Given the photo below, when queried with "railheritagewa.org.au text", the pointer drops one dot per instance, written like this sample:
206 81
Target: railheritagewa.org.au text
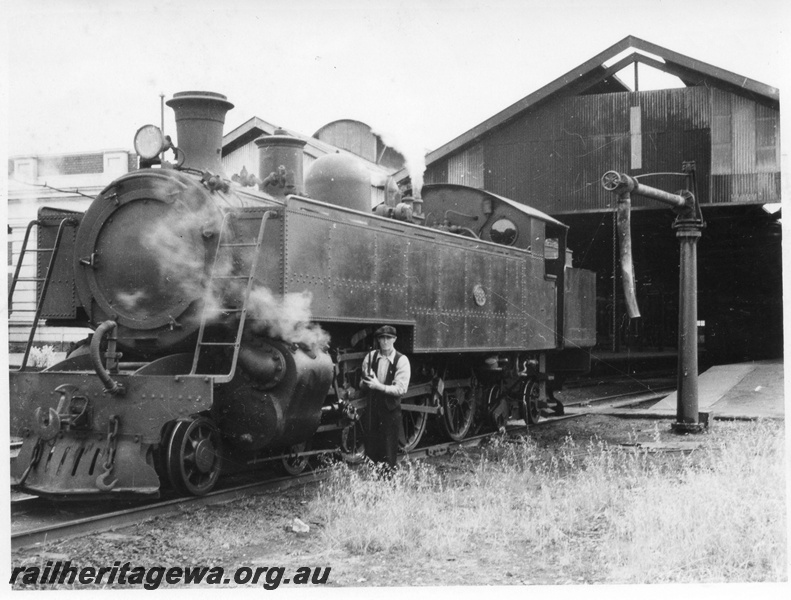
151 578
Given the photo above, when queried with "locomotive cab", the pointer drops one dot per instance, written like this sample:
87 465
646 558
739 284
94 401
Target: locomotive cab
483 215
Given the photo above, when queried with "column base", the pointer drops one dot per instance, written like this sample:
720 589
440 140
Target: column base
704 421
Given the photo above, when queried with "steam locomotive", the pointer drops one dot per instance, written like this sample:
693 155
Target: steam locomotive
231 318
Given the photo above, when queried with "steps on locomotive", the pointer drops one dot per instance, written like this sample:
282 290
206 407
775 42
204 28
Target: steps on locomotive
232 304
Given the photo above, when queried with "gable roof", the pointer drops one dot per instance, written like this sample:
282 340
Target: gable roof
254 128
593 76
245 133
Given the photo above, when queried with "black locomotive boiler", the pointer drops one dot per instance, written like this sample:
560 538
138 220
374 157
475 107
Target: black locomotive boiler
230 320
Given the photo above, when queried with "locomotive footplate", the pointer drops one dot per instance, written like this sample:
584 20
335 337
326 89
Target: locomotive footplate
79 440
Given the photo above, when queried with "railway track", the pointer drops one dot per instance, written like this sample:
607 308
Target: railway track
35 521
28 512
622 399
102 518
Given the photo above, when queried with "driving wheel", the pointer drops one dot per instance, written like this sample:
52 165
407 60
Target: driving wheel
193 457
496 407
414 424
353 443
294 464
528 402
458 405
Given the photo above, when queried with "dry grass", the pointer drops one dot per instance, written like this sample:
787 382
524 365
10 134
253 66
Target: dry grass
591 512
42 357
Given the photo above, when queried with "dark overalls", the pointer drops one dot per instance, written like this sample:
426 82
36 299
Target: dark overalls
382 423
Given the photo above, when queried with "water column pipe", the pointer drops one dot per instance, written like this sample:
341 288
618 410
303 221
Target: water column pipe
688 226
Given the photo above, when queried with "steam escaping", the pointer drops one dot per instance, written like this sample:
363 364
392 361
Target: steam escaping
169 241
175 242
414 153
287 318
183 269
130 300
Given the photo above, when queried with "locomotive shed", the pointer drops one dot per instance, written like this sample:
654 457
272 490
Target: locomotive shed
550 148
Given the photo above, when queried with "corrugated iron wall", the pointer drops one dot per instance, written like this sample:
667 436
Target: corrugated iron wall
353 136
437 173
243 157
553 156
745 163
466 167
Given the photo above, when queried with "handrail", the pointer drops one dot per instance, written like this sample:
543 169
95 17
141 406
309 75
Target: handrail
243 311
22 252
45 284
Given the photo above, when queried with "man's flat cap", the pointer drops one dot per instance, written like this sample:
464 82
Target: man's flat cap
386 330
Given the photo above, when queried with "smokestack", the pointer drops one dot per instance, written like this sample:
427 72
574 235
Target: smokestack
280 163
200 117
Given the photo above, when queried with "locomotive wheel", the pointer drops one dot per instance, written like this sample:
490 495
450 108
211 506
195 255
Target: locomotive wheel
458 406
528 402
493 399
161 456
295 464
353 443
193 456
414 425
480 420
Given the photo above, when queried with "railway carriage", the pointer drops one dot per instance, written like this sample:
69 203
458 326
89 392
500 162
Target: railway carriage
204 352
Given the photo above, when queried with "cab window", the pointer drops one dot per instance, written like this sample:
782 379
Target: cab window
504 232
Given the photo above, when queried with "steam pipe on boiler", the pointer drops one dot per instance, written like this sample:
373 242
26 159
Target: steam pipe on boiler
110 384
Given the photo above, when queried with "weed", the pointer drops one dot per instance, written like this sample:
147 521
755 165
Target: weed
625 515
42 357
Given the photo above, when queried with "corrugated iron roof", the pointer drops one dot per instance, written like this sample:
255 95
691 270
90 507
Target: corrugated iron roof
593 72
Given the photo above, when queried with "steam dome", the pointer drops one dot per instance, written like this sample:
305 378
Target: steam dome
339 179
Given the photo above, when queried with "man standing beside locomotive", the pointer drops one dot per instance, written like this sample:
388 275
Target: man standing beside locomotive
386 375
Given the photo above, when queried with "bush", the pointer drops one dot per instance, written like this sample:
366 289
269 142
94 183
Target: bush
42 357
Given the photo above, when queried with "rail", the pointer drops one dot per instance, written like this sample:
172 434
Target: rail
105 521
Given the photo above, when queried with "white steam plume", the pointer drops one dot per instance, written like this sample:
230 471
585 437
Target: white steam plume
414 153
287 318
181 264
181 268
130 300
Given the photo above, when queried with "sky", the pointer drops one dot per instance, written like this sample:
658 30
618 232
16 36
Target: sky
84 75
